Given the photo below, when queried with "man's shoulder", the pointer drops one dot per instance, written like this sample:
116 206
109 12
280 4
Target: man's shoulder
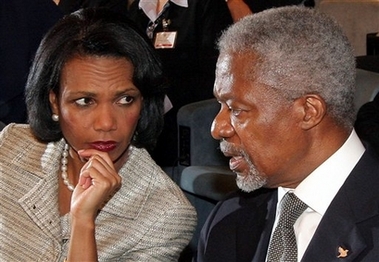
240 201
241 217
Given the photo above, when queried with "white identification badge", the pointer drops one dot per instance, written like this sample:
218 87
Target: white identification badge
165 40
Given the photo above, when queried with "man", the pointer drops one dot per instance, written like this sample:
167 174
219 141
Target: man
285 80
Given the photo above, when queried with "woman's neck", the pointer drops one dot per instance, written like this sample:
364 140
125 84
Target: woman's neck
160 5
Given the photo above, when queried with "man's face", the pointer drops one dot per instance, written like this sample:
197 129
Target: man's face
258 129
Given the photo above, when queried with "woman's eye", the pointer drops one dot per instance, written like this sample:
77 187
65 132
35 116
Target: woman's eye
126 100
83 101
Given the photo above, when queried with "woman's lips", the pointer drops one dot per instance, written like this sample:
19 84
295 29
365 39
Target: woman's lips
104 146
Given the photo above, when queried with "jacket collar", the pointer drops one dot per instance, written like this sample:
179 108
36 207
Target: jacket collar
138 177
349 212
41 201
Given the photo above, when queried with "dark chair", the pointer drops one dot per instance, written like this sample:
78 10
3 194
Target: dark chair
204 173
2 125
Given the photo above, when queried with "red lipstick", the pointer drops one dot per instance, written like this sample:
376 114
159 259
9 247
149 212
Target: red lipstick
104 146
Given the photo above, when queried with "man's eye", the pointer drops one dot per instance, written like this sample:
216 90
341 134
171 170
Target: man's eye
126 100
83 101
236 112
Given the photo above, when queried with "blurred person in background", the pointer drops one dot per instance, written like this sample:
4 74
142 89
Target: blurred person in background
184 34
23 24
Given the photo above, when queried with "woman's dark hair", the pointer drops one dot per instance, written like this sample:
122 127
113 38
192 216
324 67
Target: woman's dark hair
95 32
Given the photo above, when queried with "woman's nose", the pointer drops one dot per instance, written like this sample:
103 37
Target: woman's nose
105 119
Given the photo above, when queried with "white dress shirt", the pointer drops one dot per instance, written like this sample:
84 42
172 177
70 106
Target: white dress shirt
149 7
319 189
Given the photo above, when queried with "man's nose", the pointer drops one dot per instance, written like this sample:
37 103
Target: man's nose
221 126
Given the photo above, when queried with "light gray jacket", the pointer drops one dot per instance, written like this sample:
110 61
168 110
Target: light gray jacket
148 219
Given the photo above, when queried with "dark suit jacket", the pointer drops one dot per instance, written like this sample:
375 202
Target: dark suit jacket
239 228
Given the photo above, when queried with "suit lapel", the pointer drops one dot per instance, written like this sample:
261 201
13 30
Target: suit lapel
255 224
346 223
238 225
261 250
335 231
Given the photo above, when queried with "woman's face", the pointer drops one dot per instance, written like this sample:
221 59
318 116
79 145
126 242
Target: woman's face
98 104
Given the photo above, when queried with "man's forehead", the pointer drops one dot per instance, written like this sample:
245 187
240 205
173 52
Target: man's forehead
224 63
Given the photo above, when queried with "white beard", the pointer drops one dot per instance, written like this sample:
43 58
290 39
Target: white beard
252 180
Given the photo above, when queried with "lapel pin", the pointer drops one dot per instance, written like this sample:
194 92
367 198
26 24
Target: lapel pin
343 252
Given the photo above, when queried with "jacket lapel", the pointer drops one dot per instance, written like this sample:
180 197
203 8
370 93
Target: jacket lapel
345 230
260 254
136 186
336 237
255 224
237 226
41 201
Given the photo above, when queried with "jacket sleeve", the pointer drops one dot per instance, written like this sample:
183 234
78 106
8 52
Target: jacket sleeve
167 237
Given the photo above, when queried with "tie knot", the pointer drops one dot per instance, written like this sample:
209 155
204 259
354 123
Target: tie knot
291 208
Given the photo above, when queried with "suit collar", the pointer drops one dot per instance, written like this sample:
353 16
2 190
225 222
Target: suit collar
236 226
256 219
348 214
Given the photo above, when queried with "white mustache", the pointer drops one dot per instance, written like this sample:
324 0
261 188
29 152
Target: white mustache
228 148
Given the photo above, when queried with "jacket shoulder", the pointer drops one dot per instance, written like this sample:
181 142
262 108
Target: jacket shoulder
17 139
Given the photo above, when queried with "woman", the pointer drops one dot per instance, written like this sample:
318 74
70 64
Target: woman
184 33
78 183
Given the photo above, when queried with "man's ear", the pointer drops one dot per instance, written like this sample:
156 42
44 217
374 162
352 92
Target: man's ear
313 110
54 102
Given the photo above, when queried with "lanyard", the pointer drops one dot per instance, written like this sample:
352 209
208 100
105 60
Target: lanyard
162 18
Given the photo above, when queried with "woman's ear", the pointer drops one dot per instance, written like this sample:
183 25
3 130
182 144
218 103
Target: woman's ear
313 109
54 102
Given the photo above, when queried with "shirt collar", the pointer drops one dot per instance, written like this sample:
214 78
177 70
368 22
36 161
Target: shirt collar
149 7
319 188
182 3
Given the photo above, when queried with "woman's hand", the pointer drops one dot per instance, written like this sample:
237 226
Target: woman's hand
98 182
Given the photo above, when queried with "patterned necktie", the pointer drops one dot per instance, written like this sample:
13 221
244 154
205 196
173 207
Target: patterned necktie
283 243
